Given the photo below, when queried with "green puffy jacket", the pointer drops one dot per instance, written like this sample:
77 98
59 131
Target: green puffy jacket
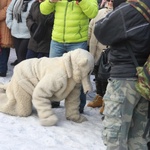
71 19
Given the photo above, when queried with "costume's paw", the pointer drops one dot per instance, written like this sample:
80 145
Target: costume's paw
82 119
77 118
50 121
2 88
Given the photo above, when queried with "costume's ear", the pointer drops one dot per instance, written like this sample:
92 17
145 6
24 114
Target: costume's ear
83 62
68 64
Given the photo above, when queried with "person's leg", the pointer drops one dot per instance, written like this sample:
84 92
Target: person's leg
42 55
31 54
83 101
16 46
56 49
139 120
73 46
22 51
70 47
4 55
120 100
97 101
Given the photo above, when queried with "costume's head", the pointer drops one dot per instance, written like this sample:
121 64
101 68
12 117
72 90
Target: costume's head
79 64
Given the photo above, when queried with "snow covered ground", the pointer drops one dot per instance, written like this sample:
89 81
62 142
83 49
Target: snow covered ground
26 133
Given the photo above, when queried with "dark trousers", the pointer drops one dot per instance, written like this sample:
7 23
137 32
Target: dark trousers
32 54
4 56
101 86
82 99
20 48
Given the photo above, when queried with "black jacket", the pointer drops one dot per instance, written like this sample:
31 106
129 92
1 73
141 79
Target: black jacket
125 26
34 18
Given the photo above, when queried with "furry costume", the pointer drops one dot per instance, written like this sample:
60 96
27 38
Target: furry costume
40 81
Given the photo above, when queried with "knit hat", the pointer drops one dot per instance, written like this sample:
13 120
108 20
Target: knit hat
116 3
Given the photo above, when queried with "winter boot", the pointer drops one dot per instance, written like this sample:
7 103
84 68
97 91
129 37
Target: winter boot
97 102
102 108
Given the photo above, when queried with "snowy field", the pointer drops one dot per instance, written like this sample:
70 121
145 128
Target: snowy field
26 133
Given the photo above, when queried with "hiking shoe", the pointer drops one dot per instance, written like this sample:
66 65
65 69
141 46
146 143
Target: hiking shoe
97 102
102 108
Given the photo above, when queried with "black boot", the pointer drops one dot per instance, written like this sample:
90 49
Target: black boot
2 74
14 63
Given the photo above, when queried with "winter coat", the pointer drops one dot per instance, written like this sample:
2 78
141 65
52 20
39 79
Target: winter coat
18 30
41 81
34 19
125 26
71 19
95 47
6 38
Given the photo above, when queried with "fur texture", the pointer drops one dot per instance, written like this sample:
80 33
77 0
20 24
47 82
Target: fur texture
41 81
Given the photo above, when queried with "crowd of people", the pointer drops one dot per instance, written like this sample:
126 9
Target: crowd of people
92 26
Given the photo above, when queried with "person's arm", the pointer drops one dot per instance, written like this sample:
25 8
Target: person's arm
9 14
90 30
3 11
72 103
110 29
41 99
31 24
92 43
89 7
47 6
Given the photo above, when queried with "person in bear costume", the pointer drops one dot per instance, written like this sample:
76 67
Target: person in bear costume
41 81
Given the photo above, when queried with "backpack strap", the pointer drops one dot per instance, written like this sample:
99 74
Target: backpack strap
141 7
132 56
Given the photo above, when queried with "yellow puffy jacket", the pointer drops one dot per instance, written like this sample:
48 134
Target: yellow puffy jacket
71 19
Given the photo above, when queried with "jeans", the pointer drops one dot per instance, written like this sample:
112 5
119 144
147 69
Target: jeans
32 54
58 49
4 55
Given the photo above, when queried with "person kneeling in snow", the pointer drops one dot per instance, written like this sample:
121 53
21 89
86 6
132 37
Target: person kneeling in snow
41 81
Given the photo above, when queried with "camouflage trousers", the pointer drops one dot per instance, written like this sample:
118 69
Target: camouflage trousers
125 116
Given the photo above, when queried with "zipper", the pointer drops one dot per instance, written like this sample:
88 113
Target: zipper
65 22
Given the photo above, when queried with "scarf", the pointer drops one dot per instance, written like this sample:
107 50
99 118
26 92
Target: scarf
20 6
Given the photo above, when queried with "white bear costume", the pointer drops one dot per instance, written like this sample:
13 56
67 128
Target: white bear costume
40 81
